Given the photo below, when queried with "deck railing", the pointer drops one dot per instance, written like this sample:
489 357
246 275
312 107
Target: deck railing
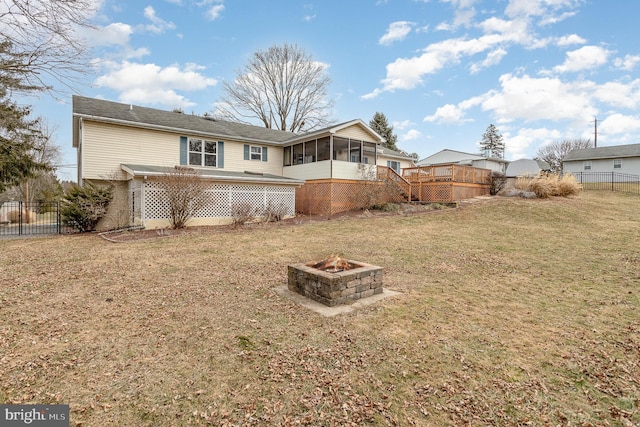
386 173
456 173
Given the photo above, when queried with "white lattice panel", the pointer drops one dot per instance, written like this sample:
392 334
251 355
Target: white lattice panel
220 198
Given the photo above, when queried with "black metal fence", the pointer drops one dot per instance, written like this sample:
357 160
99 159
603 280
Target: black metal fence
609 181
25 219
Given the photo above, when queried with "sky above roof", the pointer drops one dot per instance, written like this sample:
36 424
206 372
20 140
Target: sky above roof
441 71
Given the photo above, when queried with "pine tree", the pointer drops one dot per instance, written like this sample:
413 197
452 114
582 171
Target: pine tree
380 124
492 144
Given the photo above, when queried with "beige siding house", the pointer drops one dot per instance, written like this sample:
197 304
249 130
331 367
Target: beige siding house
132 147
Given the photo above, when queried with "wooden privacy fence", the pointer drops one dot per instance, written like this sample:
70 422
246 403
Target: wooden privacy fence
439 184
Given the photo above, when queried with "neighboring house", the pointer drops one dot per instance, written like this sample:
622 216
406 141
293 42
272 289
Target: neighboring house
447 157
394 159
132 146
526 167
624 159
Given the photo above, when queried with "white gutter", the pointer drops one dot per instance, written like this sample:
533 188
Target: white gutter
243 179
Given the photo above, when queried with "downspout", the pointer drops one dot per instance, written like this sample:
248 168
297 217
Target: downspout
80 154
331 156
331 175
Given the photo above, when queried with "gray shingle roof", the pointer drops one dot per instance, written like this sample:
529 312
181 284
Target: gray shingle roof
99 109
629 150
393 153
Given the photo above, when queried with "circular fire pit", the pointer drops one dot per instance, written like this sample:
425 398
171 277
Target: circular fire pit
335 281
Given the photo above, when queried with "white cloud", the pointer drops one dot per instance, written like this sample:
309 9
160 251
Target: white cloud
158 25
627 63
587 57
214 12
517 145
493 58
397 31
447 114
530 99
402 124
411 135
619 124
548 9
150 83
570 40
406 73
618 94
463 16
116 33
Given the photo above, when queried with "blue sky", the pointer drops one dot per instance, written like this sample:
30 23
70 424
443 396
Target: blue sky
440 70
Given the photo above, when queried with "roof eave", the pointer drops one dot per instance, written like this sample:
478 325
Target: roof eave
244 179
174 129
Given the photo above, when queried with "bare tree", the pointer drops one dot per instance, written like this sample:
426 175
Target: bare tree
283 88
186 194
44 40
554 153
43 185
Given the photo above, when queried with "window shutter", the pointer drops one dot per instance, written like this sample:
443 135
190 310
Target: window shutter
220 154
264 154
246 152
183 150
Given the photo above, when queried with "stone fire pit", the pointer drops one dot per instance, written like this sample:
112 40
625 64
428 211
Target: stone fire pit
335 281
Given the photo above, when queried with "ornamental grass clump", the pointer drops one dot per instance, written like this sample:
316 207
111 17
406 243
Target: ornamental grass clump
547 185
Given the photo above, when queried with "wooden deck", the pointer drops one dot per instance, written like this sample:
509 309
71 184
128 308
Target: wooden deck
425 184
441 184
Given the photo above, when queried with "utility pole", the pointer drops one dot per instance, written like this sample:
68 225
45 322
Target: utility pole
595 132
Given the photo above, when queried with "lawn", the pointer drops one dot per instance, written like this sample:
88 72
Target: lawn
510 312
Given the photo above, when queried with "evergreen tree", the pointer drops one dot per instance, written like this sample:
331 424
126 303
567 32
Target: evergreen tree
18 143
380 124
492 144
20 136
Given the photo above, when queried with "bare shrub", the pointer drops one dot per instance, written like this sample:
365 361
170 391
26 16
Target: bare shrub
497 181
185 191
241 213
274 212
375 192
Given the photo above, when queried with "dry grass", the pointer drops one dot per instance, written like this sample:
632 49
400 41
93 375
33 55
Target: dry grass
512 312
547 185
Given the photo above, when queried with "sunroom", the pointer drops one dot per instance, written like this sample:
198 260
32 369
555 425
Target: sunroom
346 151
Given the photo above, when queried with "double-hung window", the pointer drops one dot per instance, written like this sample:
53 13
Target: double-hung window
202 152
256 153
587 165
617 163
